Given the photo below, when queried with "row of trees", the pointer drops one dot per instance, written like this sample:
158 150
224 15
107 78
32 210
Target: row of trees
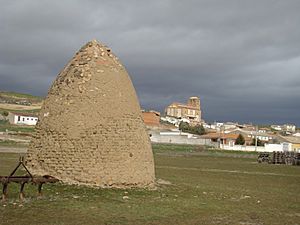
185 127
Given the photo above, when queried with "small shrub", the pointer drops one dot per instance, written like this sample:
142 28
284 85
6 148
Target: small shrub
259 142
4 113
240 140
185 127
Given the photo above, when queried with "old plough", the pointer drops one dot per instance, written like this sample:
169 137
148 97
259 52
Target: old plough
22 180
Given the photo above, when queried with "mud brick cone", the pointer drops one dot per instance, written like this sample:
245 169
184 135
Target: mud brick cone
90 130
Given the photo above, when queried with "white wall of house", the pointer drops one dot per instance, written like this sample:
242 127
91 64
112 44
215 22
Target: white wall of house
279 147
22 119
178 139
276 127
296 134
290 127
267 148
245 148
260 136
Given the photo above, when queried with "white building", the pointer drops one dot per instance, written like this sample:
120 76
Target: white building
289 128
285 127
191 110
276 127
22 119
265 137
175 121
296 134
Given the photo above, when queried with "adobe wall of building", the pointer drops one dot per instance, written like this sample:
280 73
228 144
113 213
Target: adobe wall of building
11 118
150 119
90 130
181 110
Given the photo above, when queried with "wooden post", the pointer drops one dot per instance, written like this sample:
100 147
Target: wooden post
22 195
40 189
4 191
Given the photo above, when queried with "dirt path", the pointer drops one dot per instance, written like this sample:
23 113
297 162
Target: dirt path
226 171
5 149
15 138
19 107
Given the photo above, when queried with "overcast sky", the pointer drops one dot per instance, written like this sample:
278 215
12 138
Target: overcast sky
241 57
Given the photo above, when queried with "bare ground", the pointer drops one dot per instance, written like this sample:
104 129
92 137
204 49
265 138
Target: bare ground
19 107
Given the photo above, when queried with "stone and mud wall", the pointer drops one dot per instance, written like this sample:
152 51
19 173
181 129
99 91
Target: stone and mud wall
90 129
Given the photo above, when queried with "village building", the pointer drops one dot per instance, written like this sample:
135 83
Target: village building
22 119
289 128
262 136
151 118
285 127
224 139
190 111
276 127
293 141
264 130
296 134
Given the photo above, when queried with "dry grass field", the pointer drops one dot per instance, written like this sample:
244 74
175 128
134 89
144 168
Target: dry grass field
19 102
15 107
207 187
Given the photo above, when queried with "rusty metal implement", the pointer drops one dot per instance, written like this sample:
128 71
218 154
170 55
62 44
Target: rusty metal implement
22 180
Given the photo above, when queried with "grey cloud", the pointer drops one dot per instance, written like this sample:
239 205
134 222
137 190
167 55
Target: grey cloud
241 57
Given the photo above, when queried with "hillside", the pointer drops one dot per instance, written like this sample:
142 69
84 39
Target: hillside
19 98
12 101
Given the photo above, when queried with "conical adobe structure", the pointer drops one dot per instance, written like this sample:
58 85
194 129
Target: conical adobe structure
90 129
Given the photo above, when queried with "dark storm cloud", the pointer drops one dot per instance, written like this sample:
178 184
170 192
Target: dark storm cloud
241 57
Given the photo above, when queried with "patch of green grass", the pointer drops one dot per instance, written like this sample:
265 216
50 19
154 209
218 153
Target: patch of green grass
199 150
174 147
4 122
10 143
6 126
205 189
18 129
